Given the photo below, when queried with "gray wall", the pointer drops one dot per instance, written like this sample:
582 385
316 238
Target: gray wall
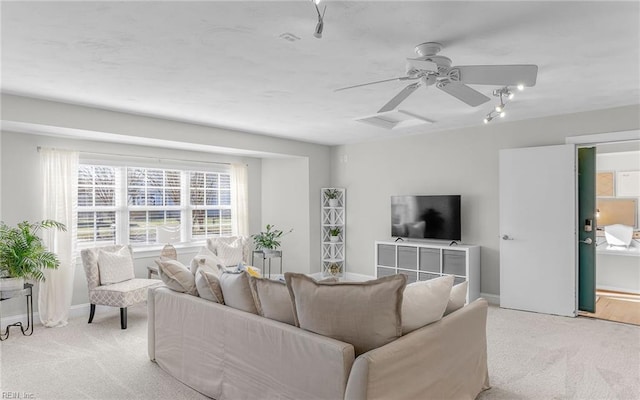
287 191
462 161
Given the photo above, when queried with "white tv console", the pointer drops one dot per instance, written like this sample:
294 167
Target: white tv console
421 261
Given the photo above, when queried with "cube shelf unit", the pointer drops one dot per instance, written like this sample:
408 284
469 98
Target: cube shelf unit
333 216
423 261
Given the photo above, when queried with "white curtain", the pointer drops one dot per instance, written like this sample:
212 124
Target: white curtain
239 200
60 199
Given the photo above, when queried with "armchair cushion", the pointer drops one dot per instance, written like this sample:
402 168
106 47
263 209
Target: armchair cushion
115 266
230 254
424 302
122 294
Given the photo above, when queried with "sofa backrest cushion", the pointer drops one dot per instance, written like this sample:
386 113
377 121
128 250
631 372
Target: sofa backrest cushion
272 299
364 314
424 302
237 291
206 260
457 298
176 276
208 286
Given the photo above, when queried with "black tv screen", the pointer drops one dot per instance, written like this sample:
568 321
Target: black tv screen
426 217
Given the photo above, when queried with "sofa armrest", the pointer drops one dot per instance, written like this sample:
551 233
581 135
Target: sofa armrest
443 360
151 318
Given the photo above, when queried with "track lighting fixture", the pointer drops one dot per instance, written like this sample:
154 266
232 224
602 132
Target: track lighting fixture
320 25
498 111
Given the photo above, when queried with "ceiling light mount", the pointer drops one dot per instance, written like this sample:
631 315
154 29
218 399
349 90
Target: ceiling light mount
320 25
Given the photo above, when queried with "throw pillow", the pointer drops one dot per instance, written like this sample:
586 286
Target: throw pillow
115 266
457 298
272 299
208 286
176 276
230 254
206 260
424 302
237 291
365 314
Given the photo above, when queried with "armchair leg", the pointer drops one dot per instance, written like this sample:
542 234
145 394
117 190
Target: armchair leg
123 317
92 312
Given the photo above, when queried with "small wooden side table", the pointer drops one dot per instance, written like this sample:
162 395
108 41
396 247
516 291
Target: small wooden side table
27 291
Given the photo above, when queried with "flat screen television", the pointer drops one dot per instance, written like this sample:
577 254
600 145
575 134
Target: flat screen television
426 217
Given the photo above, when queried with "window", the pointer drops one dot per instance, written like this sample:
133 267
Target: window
125 205
210 198
153 199
96 204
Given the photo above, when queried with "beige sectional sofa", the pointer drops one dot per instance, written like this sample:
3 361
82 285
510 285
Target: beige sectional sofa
226 354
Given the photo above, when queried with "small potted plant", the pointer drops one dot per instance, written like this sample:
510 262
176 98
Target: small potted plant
23 255
269 241
332 195
334 234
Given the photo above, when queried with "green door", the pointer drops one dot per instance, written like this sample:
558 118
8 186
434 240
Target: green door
587 229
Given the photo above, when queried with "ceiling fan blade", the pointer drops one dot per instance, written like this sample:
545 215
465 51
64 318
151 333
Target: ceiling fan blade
416 63
401 78
495 74
463 92
400 97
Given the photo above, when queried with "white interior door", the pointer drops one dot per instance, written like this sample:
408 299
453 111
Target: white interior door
538 241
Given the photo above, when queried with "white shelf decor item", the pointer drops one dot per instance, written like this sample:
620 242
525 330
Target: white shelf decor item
332 219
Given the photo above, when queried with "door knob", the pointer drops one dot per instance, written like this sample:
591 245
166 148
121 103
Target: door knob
506 237
587 241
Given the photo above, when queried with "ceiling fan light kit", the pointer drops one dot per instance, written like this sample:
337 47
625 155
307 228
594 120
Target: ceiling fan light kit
430 69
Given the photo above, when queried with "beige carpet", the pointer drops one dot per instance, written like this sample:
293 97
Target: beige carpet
531 356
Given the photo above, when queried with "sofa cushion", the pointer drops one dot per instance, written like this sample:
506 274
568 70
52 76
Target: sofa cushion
115 266
272 299
237 291
208 286
457 298
364 314
230 253
206 260
424 302
176 276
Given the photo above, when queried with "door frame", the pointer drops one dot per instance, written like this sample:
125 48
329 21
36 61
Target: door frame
592 141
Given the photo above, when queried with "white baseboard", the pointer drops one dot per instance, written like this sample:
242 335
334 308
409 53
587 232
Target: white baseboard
617 289
493 299
78 310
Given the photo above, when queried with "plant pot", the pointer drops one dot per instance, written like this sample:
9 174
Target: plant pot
334 238
268 253
8 284
333 203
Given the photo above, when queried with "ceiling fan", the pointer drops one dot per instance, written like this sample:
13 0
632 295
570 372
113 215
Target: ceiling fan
430 69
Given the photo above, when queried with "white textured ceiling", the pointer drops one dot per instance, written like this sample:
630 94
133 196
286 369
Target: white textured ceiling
224 63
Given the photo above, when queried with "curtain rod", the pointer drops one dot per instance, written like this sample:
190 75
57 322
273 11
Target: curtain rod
130 156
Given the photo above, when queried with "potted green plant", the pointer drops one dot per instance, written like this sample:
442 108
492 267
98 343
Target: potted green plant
23 255
334 234
269 241
332 195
